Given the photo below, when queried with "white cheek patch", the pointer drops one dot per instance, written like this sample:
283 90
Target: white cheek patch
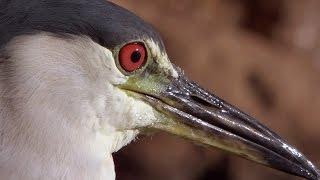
124 112
142 112
162 59
122 117
110 64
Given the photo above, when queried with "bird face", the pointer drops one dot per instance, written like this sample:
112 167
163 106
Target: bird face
135 67
162 98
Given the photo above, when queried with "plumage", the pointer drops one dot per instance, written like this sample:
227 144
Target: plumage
67 104
57 128
104 22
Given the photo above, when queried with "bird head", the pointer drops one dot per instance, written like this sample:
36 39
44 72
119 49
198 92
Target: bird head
102 56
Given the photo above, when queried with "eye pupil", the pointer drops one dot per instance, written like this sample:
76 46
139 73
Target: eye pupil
135 56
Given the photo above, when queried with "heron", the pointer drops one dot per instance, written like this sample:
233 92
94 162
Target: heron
80 79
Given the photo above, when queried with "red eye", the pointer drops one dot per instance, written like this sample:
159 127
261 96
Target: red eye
132 56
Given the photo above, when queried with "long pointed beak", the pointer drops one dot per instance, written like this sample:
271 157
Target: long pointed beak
204 118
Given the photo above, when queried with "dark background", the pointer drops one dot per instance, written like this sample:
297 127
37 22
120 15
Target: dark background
261 55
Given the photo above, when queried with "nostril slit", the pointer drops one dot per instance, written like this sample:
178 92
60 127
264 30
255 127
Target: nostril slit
202 101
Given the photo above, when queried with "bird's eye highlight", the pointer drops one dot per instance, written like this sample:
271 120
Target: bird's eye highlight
132 56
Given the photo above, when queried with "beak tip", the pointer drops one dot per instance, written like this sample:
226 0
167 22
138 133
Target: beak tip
316 175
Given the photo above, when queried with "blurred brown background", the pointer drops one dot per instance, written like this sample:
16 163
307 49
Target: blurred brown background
261 55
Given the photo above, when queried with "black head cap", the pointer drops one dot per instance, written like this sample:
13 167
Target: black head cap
105 22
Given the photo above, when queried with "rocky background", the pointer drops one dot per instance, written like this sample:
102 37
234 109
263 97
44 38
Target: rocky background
261 55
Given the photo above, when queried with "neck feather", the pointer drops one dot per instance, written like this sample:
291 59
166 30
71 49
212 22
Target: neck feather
50 118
